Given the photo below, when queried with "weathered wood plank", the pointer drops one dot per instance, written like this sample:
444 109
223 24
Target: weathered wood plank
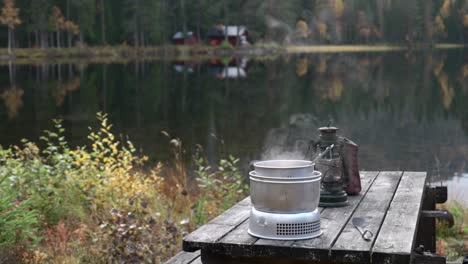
350 247
239 236
237 243
395 242
245 202
184 258
333 221
207 234
233 217
218 227
197 261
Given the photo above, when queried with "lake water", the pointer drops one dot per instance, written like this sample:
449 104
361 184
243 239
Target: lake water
407 111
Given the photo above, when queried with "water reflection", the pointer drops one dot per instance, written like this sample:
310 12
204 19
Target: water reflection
229 69
13 98
407 111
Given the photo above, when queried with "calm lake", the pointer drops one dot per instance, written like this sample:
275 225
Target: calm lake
407 111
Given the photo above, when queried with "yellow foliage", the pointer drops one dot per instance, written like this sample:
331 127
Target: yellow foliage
65 88
10 14
465 71
448 93
339 8
61 23
302 67
57 18
439 26
446 8
322 65
323 30
332 89
13 101
439 65
106 173
336 90
447 98
72 27
302 29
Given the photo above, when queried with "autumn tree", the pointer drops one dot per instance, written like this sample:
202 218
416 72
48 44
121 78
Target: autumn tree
72 29
13 98
10 18
59 22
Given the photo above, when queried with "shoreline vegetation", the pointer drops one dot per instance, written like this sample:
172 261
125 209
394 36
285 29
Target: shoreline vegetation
104 202
452 242
123 53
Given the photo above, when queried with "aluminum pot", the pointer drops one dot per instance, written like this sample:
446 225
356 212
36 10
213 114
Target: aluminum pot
315 175
285 197
284 168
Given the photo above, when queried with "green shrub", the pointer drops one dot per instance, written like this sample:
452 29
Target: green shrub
220 187
452 241
226 45
18 222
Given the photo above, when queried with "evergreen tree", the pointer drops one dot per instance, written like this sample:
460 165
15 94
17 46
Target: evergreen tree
39 23
84 12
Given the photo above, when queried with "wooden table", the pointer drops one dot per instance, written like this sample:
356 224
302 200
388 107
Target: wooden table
390 202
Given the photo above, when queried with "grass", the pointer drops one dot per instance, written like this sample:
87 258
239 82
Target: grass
125 53
120 54
343 48
453 241
363 48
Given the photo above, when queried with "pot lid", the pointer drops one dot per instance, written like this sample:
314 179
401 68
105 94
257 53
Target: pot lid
328 130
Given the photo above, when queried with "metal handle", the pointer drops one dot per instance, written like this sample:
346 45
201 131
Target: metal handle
366 235
323 153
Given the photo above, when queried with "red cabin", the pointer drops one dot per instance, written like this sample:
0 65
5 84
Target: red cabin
236 35
189 39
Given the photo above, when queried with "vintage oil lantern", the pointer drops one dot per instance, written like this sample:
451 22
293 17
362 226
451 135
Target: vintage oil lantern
339 168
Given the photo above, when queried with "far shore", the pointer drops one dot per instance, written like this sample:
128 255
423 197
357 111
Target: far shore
124 53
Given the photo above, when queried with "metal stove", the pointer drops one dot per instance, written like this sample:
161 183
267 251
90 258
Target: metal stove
284 226
285 196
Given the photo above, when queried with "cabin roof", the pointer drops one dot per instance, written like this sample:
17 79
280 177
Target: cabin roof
180 35
235 30
230 31
215 32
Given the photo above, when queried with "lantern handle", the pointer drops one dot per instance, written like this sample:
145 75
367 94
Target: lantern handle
323 153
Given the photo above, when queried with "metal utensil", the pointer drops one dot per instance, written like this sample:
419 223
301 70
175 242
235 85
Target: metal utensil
360 224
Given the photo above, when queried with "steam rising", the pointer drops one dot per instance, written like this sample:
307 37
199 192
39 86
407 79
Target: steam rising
291 142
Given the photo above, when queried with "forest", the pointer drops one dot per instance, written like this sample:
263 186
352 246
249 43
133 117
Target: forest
65 23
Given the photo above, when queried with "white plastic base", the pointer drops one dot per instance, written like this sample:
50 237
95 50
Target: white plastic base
284 226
